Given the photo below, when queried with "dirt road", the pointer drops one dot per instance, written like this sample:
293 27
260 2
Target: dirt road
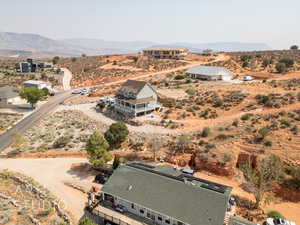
52 174
66 79
218 58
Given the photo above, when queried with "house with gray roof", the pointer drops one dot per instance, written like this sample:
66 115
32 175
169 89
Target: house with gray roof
8 96
210 73
164 195
136 98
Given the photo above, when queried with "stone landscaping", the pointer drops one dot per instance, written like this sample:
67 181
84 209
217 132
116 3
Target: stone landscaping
24 202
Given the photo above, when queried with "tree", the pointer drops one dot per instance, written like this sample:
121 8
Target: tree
261 179
266 62
154 146
96 148
55 60
32 95
86 221
116 134
287 61
46 91
116 162
83 55
294 47
281 67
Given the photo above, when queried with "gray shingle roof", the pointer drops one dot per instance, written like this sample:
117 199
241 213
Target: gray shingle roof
183 201
134 86
8 92
209 71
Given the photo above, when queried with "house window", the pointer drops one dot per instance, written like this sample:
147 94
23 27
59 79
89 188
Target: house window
132 206
159 218
142 211
148 215
167 221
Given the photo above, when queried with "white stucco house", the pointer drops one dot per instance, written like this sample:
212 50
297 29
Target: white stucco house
210 73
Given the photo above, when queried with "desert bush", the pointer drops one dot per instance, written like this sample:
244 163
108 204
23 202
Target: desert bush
222 137
281 67
61 142
235 123
190 91
179 77
275 214
268 143
205 132
246 116
86 221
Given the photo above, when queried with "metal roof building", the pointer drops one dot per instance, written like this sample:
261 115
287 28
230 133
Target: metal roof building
210 73
167 196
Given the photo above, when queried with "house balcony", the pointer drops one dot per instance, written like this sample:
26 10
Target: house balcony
107 212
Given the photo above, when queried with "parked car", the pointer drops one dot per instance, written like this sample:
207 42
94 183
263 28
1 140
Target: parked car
76 92
120 208
278 221
100 179
188 171
248 78
84 91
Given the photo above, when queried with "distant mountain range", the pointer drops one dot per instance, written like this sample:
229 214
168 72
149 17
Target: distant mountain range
24 44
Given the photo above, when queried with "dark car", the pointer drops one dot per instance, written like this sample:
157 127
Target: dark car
100 179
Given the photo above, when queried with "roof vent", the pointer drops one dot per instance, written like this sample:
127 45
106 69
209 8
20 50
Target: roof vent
129 188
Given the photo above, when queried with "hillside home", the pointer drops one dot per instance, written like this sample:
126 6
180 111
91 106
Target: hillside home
163 195
136 98
32 66
210 73
8 97
37 84
166 53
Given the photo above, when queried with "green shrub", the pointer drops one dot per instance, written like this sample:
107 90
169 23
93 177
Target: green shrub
190 91
205 132
268 143
86 221
179 77
275 214
61 142
246 116
235 123
281 67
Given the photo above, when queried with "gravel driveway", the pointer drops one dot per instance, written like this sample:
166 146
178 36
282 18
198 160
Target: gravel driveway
89 110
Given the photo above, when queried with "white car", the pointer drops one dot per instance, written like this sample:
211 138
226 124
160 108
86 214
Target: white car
76 92
248 78
279 221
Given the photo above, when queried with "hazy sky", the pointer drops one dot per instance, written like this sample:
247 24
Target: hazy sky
275 22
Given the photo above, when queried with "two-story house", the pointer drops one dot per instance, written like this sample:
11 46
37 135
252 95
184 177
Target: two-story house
163 195
136 98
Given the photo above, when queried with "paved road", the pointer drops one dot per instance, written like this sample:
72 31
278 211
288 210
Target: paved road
29 121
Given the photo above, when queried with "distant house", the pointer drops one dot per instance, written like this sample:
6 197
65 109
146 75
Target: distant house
166 53
32 66
163 195
37 84
8 96
136 98
210 73
208 52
